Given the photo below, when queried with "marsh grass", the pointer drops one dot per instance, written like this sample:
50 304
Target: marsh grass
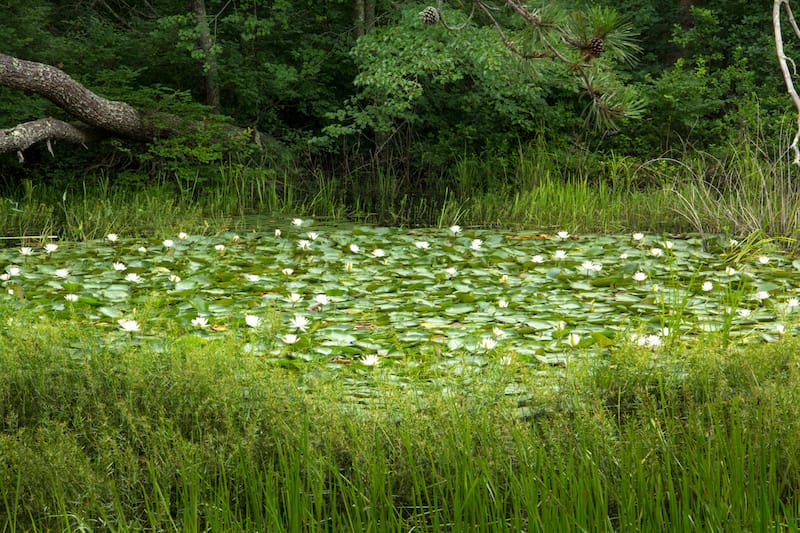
749 190
200 436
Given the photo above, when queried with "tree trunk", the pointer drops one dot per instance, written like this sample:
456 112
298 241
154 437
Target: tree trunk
209 71
102 115
359 17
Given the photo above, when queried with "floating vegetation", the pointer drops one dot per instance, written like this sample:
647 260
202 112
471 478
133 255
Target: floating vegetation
380 295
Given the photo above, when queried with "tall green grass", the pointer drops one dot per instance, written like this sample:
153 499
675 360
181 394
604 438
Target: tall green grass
199 436
750 189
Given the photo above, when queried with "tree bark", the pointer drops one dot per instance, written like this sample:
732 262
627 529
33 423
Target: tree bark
209 70
99 117
22 136
114 117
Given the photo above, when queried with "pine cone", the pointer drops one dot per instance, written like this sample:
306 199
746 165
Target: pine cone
430 15
594 48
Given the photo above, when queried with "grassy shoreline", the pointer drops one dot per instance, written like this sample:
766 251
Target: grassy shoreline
200 436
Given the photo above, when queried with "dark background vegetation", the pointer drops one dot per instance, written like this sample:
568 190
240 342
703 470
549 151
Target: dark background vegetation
329 104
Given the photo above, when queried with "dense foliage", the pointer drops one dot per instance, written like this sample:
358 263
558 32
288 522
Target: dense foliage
404 99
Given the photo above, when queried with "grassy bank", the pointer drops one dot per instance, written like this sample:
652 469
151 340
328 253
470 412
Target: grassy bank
198 436
749 190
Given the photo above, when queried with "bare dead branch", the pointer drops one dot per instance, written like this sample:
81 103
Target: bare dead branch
22 136
783 60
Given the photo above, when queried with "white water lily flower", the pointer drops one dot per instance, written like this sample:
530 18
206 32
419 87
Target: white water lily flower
591 267
653 341
295 297
623 256
297 222
119 266
573 339
348 266
762 295
730 271
304 244
4 277
488 343
112 237
50 247
26 250
656 287
299 322
455 229
142 250
640 276
370 360
733 243
235 238
128 325
133 277
174 278
287 271
502 303
183 235
377 252
562 234
497 332
792 303
537 259
71 297
14 270
780 329
60 273
278 232
707 286
290 338
422 245
168 243
638 236
312 235
669 245
451 271
561 325
560 254
219 247
252 320
322 299
656 252
200 322
354 248
476 244
763 259
743 312
252 277
504 279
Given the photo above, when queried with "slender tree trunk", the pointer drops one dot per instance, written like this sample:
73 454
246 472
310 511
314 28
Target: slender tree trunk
360 17
209 71
369 15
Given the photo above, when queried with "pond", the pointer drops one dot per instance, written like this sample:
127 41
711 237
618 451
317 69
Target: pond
376 295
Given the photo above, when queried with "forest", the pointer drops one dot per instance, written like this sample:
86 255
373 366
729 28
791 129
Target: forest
360 110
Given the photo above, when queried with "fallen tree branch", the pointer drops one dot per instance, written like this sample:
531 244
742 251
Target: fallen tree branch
55 85
22 136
